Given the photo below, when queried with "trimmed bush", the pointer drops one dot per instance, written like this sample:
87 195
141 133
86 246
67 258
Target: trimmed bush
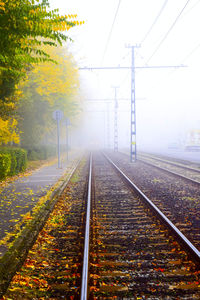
21 157
17 158
42 152
5 164
13 163
33 155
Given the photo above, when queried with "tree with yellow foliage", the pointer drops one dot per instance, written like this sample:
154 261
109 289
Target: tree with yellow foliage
48 87
25 27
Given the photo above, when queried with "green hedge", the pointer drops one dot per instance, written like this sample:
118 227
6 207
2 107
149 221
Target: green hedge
5 164
21 157
42 152
12 161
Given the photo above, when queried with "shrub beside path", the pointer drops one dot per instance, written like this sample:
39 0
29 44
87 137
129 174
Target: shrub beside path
20 196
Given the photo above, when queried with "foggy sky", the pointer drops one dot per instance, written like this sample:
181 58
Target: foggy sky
167 100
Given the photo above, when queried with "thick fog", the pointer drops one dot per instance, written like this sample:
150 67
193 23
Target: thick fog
167 96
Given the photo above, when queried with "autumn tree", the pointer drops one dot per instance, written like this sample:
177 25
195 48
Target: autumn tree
48 87
25 26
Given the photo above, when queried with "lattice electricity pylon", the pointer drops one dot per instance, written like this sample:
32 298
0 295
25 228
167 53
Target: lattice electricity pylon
133 152
116 122
133 149
108 126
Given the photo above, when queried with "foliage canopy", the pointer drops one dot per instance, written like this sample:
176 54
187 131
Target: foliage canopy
48 87
26 25
27 29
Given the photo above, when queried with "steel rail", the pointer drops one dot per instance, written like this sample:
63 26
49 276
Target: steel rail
181 237
171 172
170 163
84 284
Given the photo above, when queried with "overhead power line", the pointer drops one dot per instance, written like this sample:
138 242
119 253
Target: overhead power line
124 67
191 8
151 27
133 150
154 22
191 53
187 56
108 40
167 33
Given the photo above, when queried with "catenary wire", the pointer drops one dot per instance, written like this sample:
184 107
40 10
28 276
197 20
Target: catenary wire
169 30
190 54
109 36
154 22
191 8
186 58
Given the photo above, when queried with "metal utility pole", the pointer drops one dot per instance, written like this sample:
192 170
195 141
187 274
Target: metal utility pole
58 142
115 121
106 113
133 154
104 129
133 148
108 126
57 115
67 123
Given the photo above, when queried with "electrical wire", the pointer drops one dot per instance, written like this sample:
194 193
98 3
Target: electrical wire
183 60
154 22
109 36
186 57
169 30
190 54
191 8
150 29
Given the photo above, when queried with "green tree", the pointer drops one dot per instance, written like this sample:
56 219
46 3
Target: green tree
25 27
48 87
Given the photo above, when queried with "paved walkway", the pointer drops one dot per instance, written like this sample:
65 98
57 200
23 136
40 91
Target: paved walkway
20 196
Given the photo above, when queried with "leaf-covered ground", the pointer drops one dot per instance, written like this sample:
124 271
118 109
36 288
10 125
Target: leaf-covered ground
20 196
52 269
132 255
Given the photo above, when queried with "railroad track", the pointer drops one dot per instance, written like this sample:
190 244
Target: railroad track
132 253
52 269
131 250
173 161
186 172
177 196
